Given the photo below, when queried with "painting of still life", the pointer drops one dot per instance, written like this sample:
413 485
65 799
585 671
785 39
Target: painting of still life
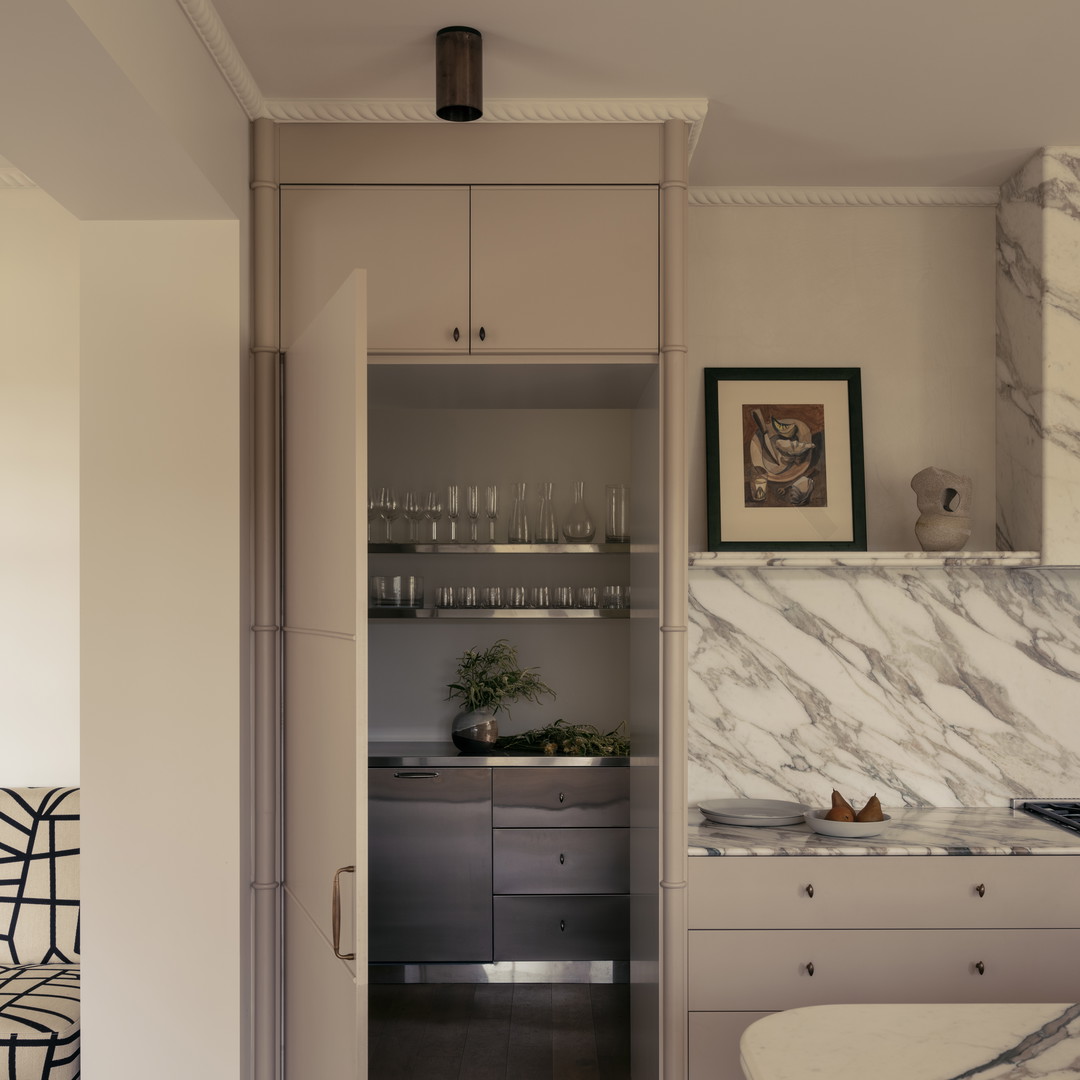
784 459
784 455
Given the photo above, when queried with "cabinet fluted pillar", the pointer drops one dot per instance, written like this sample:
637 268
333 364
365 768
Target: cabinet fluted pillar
266 604
673 621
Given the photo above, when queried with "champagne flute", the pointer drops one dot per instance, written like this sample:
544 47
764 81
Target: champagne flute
492 510
452 494
472 509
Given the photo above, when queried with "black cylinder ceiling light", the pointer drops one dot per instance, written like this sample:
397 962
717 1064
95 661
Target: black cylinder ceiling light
459 75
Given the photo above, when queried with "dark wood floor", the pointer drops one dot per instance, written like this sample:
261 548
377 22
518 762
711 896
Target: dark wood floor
485 1031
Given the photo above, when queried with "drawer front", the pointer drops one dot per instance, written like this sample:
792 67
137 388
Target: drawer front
714 1044
917 891
561 860
556 798
562 928
770 970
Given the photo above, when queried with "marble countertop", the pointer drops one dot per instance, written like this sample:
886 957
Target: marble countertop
980 830
445 755
915 1042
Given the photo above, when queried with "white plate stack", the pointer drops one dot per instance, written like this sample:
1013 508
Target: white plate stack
755 812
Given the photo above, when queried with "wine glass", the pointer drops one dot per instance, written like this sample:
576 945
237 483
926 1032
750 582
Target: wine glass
389 510
472 509
413 514
432 512
452 495
372 514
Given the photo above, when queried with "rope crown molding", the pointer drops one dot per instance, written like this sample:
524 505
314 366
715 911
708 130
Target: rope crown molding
504 111
853 196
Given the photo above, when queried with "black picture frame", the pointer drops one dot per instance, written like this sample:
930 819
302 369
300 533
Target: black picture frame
784 459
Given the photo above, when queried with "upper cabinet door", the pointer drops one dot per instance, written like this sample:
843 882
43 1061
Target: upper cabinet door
565 269
414 244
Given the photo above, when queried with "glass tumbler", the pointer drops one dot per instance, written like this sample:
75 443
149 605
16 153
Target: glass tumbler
617 513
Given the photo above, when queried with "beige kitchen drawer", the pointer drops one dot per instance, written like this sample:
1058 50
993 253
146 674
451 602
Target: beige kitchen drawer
770 970
914 891
714 1044
559 797
562 927
561 860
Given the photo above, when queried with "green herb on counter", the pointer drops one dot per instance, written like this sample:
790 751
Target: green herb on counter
570 740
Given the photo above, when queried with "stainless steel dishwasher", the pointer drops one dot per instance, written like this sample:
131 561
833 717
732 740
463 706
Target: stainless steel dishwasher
429 865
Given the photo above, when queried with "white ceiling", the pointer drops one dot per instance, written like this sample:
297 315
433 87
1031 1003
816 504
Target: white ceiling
835 93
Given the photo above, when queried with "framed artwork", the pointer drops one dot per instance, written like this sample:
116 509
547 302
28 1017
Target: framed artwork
784 459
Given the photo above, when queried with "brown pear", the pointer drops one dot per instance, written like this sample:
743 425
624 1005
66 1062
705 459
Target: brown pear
871 811
841 810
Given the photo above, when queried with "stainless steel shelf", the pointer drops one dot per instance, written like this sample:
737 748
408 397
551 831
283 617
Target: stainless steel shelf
498 549
459 614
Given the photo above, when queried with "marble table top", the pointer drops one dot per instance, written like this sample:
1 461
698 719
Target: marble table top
915 1042
966 830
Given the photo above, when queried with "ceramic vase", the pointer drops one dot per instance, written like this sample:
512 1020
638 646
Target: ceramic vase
944 501
475 731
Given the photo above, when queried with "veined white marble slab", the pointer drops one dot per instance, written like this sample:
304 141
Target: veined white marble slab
929 687
915 1042
965 830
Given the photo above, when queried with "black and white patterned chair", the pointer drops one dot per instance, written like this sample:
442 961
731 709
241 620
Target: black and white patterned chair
39 933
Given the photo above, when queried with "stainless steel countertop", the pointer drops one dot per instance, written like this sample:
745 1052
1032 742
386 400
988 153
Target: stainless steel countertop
445 755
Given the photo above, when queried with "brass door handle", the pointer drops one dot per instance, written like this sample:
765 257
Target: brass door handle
335 912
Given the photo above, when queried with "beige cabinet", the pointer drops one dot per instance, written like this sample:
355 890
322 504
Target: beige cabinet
769 934
513 269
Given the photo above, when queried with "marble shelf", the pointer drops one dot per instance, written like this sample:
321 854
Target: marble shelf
962 830
708 560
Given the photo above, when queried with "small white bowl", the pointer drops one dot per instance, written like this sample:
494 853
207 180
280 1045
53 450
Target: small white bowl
820 824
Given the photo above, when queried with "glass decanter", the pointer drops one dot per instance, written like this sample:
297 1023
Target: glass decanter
578 526
517 531
547 528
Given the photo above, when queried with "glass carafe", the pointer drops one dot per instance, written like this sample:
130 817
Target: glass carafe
547 528
517 531
579 527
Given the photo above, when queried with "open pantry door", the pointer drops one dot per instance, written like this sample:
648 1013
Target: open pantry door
325 691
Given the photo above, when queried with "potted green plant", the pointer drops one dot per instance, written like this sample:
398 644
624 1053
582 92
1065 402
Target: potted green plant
489 681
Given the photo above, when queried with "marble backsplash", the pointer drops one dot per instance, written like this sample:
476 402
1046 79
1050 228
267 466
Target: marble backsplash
930 687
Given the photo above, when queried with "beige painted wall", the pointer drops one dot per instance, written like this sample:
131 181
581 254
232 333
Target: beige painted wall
161 562
39 491
906 294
